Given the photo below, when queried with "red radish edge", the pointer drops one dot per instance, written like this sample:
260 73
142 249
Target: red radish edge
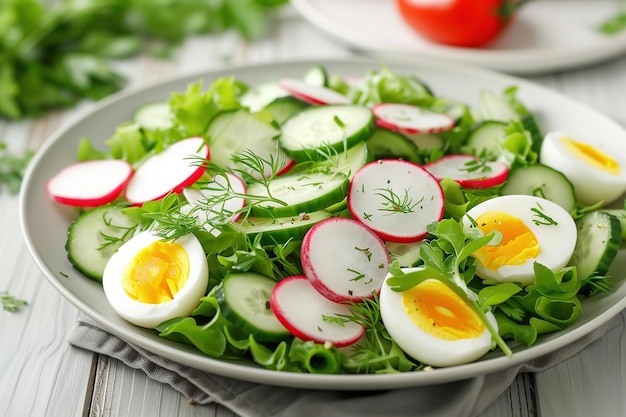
301 309
168 172
413 119
312 94
90 183
368 200
344 259
456 168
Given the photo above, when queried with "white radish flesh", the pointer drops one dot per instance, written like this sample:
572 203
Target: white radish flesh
344 260
178 166
306 313
396 199
312 94
90 183
410 119
221 187
469 171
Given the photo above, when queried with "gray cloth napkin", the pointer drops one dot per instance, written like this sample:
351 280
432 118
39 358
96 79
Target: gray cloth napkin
467 398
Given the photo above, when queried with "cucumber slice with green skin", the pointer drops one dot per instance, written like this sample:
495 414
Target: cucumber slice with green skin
396 199
261 95
384 144
283 108
280 230
486 136
541 181
301 193
620 214
319 131
316 75
154 116
233 132
405 254
95 235
244 299
350 161
426 141
597 243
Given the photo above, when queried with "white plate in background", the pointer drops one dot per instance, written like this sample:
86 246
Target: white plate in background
548 35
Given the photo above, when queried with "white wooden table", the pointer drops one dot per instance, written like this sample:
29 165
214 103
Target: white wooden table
42 375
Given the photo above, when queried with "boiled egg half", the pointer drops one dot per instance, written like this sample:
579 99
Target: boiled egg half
533 229
150 280
597 171
433 324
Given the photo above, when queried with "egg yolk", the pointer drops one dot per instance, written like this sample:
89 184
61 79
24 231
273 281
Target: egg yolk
440 312
518 245
156 273
591 155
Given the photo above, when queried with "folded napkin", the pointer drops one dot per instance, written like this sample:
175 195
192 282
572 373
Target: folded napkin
247 399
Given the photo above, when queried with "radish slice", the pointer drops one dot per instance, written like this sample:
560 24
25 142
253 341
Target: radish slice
312 94
469 171
344 260
396 199
305 313
409 119
221 185
91 183
177 167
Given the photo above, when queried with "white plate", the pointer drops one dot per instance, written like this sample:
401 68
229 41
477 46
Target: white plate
548 35
44 223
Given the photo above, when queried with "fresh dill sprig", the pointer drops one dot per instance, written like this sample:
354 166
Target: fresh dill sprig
377 352
393 203
10 303
110 240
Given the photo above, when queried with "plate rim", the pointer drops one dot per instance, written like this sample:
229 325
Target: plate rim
182 354
514 62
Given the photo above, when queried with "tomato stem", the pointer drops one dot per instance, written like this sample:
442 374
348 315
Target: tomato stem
508 7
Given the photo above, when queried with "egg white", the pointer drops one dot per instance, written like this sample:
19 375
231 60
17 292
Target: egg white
151 315
591 184
425 347
556 242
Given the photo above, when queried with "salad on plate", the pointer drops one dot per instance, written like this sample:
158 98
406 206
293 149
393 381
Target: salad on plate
343 224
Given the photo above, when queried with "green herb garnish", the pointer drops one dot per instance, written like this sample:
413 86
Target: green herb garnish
10 303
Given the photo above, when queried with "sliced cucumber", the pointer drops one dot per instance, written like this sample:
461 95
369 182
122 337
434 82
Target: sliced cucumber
232 132
387 144
406 254
256 98
95 235
301 193
244 299
283 108
352 160
280 230
541 181
316 75
597 243
621 216
486 136
319 131
426 141
154 116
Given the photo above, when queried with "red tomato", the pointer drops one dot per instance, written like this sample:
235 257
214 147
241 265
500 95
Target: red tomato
468 23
